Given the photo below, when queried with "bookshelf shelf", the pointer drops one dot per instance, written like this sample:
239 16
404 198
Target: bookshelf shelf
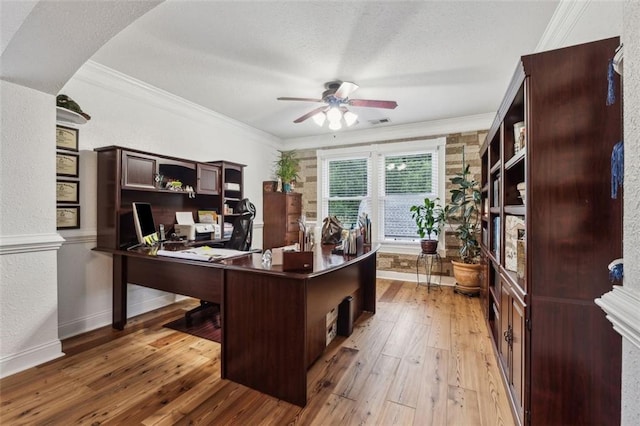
515 160
515 210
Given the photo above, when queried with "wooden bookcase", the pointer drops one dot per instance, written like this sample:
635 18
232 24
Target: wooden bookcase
127 175
280 213
560 357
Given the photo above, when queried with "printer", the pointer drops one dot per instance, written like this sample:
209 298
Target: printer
197 231
186 228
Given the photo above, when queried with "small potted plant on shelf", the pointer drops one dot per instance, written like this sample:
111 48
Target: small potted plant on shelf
463 213
429 217
287 168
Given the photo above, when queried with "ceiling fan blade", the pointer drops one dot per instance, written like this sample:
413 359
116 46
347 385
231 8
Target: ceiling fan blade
372 103
310 114
300 99
345 89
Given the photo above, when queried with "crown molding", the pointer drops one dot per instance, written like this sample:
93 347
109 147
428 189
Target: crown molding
13 244
564 19
447 126
109 79
621 306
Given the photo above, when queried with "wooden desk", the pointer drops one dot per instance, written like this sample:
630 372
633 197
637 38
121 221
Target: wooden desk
273 322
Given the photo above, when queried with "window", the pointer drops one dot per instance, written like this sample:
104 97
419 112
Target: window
382 180
347 188
405 180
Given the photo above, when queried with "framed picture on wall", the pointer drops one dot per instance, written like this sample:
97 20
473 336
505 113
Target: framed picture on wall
67 164
67 138
68 217
67 191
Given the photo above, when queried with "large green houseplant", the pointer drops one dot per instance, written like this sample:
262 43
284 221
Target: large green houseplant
463 213
429 217
287 168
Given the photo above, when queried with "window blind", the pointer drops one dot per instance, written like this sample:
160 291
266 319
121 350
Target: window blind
347 186
404 180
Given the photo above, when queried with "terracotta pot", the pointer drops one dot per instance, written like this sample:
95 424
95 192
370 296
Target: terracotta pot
467 277
429 246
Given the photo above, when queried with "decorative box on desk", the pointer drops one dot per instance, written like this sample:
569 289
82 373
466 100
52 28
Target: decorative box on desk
297 261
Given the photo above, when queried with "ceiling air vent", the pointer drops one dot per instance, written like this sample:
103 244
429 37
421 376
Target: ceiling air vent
379 121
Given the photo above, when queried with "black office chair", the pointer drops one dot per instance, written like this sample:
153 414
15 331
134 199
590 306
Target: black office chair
241 238
242 234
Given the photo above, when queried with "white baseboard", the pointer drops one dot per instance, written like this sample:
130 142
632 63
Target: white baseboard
15 363
405 276
92 322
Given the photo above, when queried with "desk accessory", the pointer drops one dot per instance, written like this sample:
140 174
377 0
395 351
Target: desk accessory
297 261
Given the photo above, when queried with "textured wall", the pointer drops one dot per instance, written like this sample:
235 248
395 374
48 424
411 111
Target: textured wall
27 279
631 353
470 142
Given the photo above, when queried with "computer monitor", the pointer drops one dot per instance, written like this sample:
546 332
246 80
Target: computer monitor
144 224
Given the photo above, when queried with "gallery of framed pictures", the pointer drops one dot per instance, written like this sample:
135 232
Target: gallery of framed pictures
67 178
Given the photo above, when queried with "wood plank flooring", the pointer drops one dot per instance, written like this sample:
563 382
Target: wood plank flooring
425 358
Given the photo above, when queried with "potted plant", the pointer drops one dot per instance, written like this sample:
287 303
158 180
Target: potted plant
429 217
287 168
463 213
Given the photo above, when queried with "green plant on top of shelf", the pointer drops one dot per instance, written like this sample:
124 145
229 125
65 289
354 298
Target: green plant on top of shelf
287 167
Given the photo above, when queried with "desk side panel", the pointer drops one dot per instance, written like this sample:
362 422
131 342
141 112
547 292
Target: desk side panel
264 334
200 281
327 291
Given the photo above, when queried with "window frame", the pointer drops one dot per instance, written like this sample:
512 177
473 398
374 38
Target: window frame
374 152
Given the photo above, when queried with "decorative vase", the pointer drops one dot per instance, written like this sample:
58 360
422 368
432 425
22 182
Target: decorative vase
429 246
286 187
467 277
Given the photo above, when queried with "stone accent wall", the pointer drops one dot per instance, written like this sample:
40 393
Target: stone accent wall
308 183
470 142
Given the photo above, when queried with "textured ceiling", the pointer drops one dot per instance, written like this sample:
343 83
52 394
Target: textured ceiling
437 59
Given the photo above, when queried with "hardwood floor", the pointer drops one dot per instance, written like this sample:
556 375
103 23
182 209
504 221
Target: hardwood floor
425 358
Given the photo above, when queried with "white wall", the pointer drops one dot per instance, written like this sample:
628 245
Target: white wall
129 113
28 241
631 352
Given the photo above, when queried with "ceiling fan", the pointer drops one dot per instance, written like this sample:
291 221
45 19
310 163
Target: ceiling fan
335 99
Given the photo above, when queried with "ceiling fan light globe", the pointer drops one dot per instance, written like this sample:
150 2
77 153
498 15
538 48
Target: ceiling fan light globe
335 125
319 118
334 115
350 118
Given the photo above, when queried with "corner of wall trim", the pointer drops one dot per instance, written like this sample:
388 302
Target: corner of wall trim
621 306
12 244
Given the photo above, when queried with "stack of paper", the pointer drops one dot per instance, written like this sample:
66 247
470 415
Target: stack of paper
204 253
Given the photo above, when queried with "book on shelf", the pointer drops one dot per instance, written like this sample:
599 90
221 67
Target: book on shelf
513 225
496 238
232 186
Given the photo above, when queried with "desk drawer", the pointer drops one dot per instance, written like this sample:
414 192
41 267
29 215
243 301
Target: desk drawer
294 204
290 238
292 222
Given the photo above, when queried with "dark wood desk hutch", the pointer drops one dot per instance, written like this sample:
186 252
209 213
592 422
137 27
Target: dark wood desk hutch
127 175
560 357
